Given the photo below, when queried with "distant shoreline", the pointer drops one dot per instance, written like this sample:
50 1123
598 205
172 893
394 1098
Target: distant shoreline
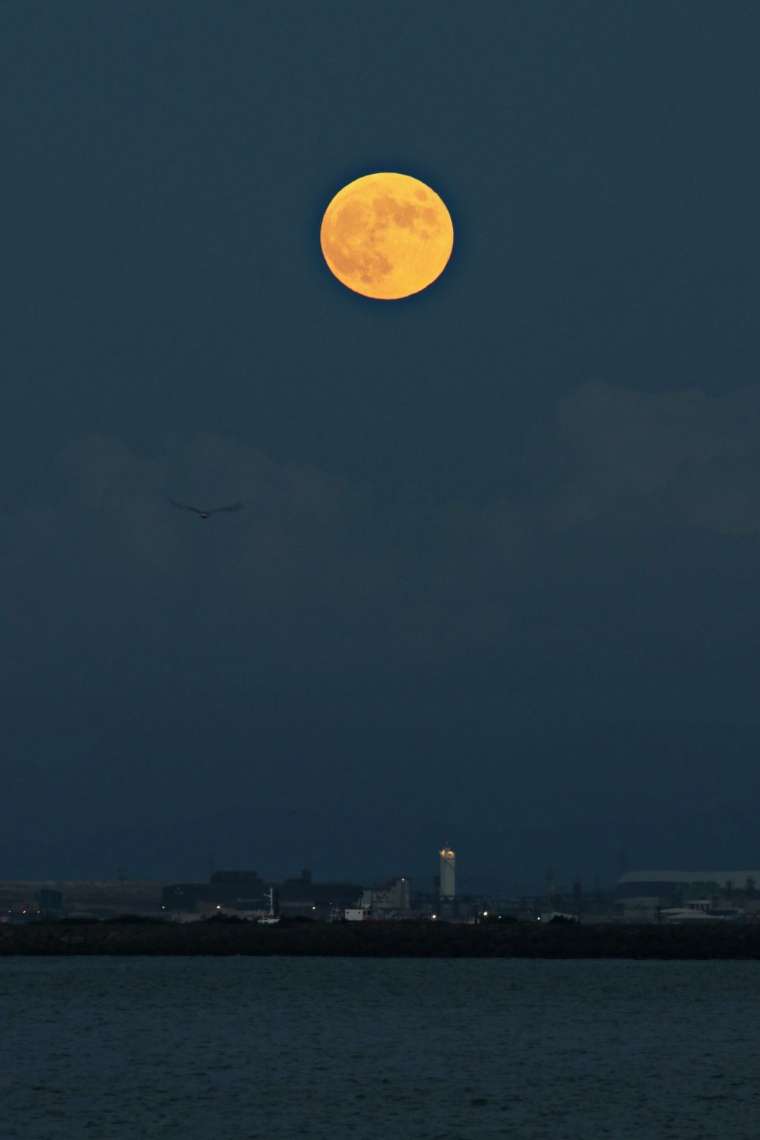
384 940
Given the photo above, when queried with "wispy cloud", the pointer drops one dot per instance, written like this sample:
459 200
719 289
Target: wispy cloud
314 566
696 455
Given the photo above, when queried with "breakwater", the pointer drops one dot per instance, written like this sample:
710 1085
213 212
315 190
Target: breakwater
392 939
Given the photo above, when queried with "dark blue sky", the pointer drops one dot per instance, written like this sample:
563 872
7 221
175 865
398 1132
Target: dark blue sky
496 583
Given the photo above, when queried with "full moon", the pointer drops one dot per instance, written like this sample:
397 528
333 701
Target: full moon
386 236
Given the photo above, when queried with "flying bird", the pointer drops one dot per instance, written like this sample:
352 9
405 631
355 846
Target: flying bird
205 513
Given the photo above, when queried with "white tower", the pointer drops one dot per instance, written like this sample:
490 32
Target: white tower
448 864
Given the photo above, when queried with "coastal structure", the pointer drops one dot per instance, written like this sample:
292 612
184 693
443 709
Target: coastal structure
393 897
246 891
98 898
234 890
447 874
643 896
304 898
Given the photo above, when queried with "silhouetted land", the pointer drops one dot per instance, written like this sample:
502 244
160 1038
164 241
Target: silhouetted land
401 939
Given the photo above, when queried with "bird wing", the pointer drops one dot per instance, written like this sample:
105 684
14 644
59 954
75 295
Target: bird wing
186 507
230 507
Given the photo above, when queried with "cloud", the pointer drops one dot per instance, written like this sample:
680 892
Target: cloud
314 565
693 454
323 570
110 561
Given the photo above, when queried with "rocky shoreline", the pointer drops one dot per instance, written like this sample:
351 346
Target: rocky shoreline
400 939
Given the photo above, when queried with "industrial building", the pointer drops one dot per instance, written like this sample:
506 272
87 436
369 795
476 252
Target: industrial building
236 890
391 898
304 898
642 895
246 891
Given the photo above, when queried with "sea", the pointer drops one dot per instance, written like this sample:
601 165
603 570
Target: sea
400 1049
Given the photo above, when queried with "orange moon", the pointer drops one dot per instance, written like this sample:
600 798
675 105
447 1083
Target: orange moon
386 236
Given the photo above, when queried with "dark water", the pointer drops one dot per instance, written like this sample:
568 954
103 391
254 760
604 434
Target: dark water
235 1048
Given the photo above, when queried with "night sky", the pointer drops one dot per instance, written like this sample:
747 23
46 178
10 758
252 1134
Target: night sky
497 580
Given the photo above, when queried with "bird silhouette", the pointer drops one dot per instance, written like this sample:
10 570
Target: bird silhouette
203 512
